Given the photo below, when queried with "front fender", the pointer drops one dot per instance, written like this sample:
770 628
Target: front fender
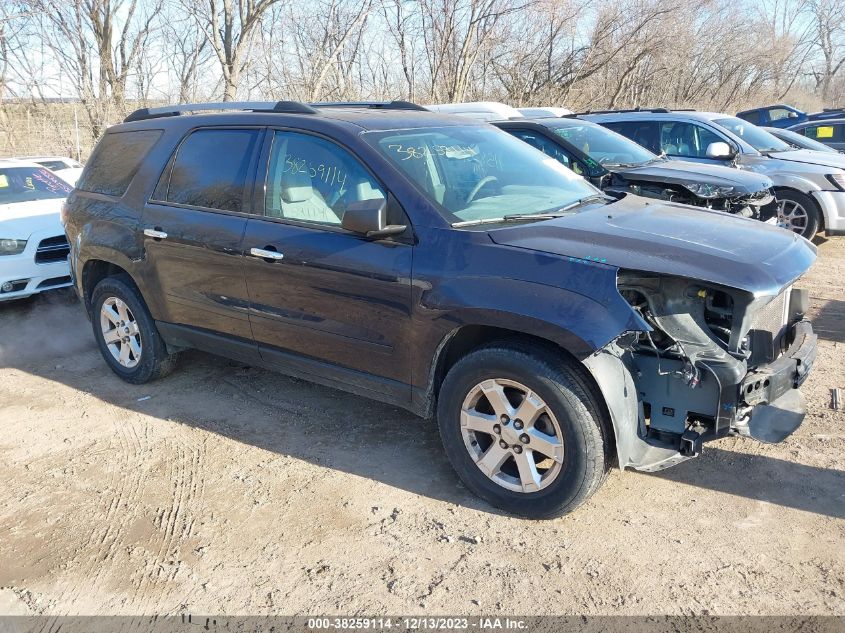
626 414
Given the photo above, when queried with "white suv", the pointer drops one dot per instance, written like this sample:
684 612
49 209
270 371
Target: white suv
33 246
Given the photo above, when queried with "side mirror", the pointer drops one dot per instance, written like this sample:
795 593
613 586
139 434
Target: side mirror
369 218
720 151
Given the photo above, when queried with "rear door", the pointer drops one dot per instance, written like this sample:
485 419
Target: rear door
324 301
193 226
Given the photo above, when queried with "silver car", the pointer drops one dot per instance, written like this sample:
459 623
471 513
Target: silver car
810 186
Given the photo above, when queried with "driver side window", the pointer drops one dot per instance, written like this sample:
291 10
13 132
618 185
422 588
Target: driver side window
686 140
311 179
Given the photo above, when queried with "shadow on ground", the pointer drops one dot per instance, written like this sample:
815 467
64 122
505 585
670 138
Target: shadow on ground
829 319
334 429
762 478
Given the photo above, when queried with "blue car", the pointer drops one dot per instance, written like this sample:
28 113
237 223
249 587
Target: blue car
786 116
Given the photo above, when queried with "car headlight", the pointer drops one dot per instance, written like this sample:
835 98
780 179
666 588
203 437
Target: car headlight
838 180
12 247
705 190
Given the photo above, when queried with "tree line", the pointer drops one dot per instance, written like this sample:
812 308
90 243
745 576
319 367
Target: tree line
109 57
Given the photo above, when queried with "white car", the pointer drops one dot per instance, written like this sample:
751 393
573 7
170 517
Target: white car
544 112
33 246
479 110
67 168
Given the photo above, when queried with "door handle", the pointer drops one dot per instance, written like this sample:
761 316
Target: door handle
155 234
265 254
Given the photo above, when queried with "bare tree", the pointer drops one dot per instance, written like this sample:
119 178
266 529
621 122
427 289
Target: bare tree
97 43
230 27
828 20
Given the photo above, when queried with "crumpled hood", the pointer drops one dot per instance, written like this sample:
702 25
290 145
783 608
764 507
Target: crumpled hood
680 171
673 239
19 220
809 157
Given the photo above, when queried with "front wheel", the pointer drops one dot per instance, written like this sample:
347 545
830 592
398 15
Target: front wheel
798 212
522 430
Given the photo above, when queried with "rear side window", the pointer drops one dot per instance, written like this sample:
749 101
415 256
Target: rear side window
824 132
754 116
115 161
548 148
644 133
209 170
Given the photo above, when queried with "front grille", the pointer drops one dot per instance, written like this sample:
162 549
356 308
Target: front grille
52 249
768 329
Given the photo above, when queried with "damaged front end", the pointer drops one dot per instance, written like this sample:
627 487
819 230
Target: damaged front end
716 361
726 198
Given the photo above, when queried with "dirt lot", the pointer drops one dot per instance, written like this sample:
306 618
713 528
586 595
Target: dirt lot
230 490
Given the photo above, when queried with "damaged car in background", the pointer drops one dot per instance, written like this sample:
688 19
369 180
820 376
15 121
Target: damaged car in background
617 165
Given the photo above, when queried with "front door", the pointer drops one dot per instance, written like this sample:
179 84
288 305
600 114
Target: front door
193 226
325 301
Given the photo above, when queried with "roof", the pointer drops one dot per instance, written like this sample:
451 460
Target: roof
368 116
633 115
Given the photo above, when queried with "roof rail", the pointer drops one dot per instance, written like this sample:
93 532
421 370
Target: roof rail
659 110
396 104
290 107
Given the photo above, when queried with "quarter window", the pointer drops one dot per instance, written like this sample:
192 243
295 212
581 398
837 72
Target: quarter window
115 161
209 170
311 179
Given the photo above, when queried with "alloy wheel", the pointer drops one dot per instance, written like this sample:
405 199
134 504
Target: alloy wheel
512 435
120 332
792 216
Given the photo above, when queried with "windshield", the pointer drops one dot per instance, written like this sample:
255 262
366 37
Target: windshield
605 146
756 137
802 141
23 184
481 173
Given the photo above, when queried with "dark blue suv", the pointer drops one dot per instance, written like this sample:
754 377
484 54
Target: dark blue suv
446 267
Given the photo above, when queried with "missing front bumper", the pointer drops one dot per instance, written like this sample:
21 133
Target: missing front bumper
774 422
778 408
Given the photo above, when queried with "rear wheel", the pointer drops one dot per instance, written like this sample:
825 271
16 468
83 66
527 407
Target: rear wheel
126 333
798 212
522 430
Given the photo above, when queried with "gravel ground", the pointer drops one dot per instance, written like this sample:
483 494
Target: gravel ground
231 490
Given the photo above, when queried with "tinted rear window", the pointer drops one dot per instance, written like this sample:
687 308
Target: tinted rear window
209 170
115 161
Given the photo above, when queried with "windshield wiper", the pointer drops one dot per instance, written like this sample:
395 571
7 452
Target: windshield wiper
557 213
529 217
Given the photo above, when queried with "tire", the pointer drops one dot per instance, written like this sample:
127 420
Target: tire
793 205
571 411
147 358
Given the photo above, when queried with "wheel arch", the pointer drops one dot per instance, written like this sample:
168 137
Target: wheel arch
95 269
470 337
